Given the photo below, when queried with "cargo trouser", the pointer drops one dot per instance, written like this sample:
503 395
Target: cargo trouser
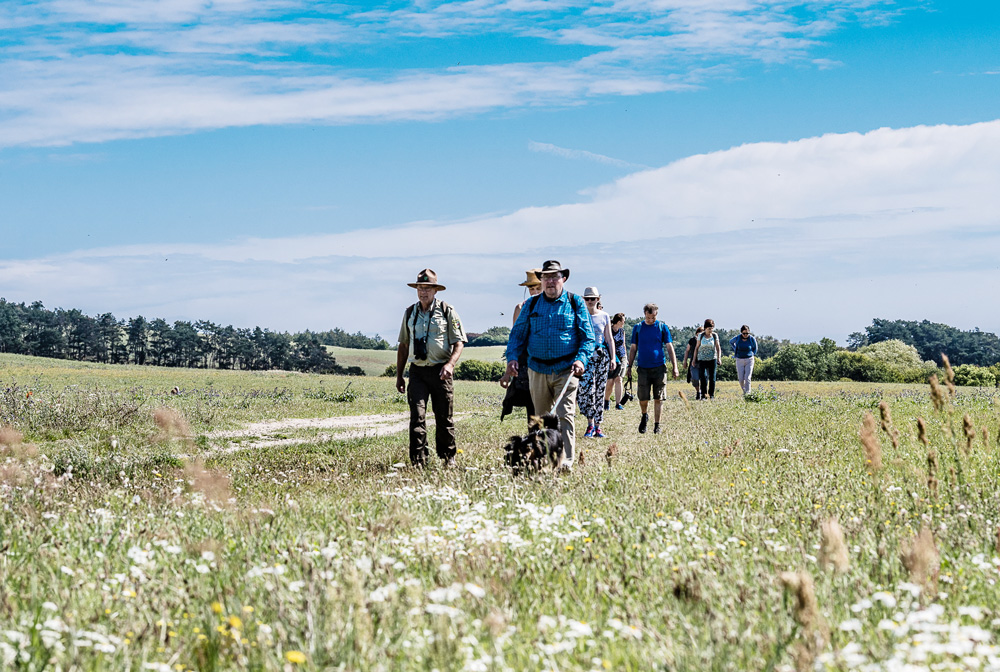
425 382
544 388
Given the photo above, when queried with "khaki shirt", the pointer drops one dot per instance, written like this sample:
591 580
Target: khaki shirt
442 331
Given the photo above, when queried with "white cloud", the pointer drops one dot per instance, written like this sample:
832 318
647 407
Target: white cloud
802 239
579 154
96 70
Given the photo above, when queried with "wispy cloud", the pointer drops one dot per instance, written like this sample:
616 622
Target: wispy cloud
580 154
818 236
95 70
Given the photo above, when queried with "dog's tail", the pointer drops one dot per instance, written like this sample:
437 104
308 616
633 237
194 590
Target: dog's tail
550 421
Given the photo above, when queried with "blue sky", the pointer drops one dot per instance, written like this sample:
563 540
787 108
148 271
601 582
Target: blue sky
800 167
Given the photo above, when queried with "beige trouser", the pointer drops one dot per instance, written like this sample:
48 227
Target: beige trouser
544 387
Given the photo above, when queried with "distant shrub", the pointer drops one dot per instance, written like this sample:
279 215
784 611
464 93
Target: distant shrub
473 369
895 353
972 375
492 336
390 371
864 369
726 370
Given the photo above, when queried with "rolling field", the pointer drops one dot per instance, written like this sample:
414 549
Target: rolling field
374 361
270 521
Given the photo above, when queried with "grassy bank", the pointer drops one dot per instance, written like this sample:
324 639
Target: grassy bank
134 538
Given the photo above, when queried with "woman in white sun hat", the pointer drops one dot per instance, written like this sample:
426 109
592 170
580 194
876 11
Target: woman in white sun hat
595 376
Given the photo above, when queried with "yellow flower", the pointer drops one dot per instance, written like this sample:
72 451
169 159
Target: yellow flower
236 622
217 607
587 540
296 657
248 609
569 547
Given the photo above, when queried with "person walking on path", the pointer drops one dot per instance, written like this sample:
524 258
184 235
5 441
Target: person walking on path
745 350
651 343
556 331
709 356
431 339
518 392
615 375
595 377
691 363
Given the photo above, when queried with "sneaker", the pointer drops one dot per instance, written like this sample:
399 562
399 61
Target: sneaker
590 432
607 404
656 428
598 434
642 423
619 407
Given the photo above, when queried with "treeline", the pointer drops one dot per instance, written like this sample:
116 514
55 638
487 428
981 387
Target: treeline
70 334
341 339
931 339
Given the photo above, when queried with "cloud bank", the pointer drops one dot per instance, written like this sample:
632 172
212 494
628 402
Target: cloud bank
99 70
802 240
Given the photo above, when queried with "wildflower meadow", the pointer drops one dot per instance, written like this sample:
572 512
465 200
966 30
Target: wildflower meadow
174 520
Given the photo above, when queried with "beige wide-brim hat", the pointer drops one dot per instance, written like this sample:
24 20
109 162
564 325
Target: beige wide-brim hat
532 279
426 278
591 293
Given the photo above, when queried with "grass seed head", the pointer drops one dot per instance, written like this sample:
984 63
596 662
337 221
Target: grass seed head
10 437
970 432
211 483
680 393
997 546
920 556
949 374
869 440
815 632
171 423
883 409
937 394
833 550
612 451
922 431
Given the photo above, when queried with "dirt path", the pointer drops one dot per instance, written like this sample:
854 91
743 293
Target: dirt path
262 434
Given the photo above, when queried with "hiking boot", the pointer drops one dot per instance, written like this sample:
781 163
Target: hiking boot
589 433
607 404
598 434
656 428
643 422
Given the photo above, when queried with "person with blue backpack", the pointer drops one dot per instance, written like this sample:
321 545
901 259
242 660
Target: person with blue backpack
556 331
651 344
745 350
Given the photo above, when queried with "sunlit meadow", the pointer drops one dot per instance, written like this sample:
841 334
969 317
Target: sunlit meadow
161 519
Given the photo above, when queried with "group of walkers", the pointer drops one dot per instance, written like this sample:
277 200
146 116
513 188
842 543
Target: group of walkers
564 350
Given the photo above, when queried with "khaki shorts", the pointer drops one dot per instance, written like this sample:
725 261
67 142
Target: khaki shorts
654 378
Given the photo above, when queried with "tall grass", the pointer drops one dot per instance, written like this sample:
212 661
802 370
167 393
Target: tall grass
746 536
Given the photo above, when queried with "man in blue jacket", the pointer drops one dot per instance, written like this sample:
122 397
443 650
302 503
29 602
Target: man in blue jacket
556 331
652 343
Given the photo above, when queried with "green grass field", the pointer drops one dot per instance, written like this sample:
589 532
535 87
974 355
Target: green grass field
269 521
374 361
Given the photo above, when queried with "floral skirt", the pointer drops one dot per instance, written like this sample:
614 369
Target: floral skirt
590 396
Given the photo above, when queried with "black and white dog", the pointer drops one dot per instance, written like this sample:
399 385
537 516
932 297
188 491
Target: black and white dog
542 443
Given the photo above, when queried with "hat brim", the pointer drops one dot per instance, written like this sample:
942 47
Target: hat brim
565 274
433 285
536 283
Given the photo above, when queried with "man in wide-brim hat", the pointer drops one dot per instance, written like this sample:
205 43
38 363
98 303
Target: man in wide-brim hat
431 339
555 330
518 392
